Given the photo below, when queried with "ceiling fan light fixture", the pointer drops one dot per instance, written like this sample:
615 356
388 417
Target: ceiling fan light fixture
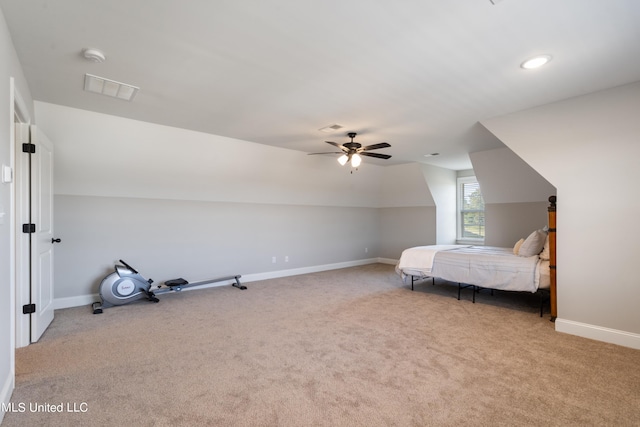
353 151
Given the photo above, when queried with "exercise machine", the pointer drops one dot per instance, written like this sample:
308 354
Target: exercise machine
126 285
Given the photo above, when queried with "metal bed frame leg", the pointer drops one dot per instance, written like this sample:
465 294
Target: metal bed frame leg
467 286
413 279
543 299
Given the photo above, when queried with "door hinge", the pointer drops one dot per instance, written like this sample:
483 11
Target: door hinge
28 228
28 148
28 308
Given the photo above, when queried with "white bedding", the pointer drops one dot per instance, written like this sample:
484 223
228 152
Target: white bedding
484 266
420 258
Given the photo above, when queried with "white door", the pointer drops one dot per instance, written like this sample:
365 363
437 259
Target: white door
42 240
35 248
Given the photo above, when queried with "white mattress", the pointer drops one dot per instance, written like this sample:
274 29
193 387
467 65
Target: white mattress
484 266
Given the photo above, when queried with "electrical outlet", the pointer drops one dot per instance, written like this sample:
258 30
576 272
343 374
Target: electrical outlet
286 258
366 250
273 260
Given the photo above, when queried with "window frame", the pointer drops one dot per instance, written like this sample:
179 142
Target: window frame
460 211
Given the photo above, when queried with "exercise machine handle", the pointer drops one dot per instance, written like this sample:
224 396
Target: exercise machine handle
150 281
129 267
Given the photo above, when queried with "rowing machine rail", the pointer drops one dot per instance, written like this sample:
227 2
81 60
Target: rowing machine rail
127 285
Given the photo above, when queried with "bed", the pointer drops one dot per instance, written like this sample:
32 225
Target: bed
527 267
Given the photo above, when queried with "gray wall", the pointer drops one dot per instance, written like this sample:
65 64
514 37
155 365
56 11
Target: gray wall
588 147
407 213
405 227
442 184
506 223
515 195
165 239
505 178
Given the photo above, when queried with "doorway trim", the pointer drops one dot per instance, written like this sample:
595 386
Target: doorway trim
20 266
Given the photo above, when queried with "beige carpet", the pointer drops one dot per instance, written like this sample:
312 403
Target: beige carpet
351 347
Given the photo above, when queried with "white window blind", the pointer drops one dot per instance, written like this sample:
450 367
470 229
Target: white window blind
471 209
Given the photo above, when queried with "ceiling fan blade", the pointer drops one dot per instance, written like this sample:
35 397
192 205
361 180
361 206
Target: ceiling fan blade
378 155
376 146
326 152
335 144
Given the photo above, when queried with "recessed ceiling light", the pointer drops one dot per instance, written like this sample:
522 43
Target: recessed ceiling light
535 62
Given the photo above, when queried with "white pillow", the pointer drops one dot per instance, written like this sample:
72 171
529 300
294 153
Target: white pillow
532 244
516 248
545 250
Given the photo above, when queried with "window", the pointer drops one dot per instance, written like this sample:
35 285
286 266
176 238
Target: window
470 210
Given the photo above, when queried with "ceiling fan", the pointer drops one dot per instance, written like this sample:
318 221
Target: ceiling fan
351 151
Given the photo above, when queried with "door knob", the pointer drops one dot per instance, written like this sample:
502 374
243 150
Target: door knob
55 240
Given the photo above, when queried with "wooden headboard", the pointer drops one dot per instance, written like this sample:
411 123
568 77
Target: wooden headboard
552 256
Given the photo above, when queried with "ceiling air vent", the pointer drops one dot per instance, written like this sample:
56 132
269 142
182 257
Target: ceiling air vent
109 87
331 128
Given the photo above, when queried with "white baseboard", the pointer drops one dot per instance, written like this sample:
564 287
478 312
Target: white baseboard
598 333
78 301
6 392
81 300
306 270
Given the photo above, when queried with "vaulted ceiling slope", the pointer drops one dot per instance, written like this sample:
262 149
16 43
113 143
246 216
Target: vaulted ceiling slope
417 74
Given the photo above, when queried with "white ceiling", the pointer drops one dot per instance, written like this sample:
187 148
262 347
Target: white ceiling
419 74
